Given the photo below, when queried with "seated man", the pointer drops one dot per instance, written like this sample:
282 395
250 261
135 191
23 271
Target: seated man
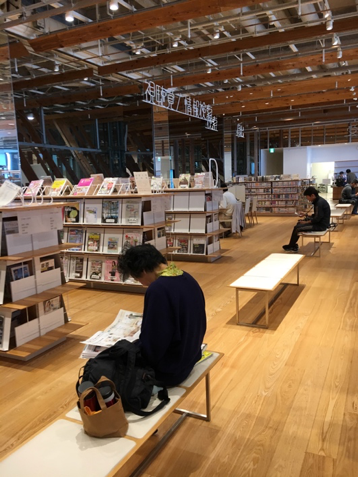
174 319
320 220
340 181
228 203
349 196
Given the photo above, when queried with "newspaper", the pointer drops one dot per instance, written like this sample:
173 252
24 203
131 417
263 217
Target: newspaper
126 326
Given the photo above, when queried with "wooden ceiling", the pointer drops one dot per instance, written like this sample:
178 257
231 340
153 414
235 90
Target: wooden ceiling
273 57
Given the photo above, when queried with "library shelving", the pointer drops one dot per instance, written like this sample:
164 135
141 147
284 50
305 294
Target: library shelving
99 228
278 197
192 225
33 316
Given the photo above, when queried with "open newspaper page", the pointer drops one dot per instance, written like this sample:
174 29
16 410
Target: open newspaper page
126 326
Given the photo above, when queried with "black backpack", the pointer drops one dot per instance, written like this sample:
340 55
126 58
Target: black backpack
123 364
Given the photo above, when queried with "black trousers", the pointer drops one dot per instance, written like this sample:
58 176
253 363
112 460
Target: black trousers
301 227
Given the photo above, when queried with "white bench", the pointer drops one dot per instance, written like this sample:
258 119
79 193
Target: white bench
63 449
266 276
348 209
338 215
317 239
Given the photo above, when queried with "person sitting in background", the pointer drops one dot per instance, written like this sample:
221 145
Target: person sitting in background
350 176
227 205
174 319
349 196
340 181
320 220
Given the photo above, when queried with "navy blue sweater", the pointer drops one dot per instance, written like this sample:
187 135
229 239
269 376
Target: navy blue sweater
173 328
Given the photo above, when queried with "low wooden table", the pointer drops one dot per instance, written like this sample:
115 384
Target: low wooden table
266 276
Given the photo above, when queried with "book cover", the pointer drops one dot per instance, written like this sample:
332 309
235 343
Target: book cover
75 236
184 181
95 269
184 244
83 187
78 266
107 186
111 273
51 305
131 211
93 243
113 241
93 211
198 245
58 187
33 188
111 211
72 213
170 242
131 238
46 264
20 271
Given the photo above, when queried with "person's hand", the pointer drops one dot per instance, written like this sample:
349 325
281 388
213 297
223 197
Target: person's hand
301 214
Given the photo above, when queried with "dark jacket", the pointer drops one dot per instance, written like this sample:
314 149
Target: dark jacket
347 193
173 328
321 217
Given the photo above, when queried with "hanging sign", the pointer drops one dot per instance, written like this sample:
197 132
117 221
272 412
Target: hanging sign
240 130
160 96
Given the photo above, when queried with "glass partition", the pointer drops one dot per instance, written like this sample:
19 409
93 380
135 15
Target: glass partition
9 151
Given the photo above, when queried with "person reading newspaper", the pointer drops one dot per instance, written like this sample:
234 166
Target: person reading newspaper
174 318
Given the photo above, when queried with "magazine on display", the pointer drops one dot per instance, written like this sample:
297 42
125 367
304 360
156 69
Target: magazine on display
20 271
131 238
72 213
8 192
126 326
94 240
111 211
75 236
47 263
184 244
95 269
111 273
108 185
131 211
83 187
198 245
184 181
113 240
60 187
48 306
78 266
33 188
93 211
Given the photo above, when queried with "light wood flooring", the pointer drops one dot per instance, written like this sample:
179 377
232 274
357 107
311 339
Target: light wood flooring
285 400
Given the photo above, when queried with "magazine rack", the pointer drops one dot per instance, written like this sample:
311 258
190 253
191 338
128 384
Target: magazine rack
33 316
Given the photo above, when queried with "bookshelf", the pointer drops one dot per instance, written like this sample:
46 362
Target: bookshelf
192 225
33 316
279 197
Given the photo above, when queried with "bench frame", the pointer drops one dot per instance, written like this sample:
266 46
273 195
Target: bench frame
316 234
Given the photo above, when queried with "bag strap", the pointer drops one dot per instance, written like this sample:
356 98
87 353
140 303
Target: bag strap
79 380
163 395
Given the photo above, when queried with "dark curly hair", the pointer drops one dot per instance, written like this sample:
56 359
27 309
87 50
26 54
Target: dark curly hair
141 258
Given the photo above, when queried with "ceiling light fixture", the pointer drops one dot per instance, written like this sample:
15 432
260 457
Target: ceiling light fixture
339 53
69 17
137 51
113 5
208 70
329 24
30 117
335 40
56 67
175 44
216 35
351 88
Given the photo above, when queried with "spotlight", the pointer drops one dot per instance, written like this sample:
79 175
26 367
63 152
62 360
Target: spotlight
208 70
216 35
339 53
137 52
30 117
175 44
335 40
113 5
85 79
351 88
69 17
329 24
56 67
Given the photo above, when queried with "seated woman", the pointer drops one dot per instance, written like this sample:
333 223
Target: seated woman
174 319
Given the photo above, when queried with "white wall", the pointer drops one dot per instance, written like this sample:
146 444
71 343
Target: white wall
322 170
295 161
333 153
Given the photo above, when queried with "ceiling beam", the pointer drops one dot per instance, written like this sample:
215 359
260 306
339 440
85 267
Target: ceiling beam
14 50
232 47
53 79
138 21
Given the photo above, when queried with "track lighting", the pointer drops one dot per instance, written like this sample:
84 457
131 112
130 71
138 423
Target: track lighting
175 44
339 53
113 5
216 35
335 40
30 117
69 17
56 67
351 88
329 24
208 70
137 52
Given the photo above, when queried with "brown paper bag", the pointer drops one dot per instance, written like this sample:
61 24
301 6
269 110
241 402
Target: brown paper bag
109 421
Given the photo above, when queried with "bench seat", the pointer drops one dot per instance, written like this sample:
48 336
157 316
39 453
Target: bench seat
266 276
317 239
63 449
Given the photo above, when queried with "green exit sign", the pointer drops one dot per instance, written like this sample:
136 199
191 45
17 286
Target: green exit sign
272 149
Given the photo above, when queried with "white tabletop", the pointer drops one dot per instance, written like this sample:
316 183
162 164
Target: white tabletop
64 450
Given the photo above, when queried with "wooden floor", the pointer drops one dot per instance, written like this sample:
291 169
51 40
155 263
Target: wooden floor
285 400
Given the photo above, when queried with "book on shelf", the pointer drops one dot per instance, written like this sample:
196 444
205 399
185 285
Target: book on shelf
131 238
72 213
47 263
50 305
75 236
20 271
198 245
111 211
184 243
112 241
33 188
84 187
108 185
170 242
94 240
126 326
60 187
131 211
184 181
95 269
78 266
111 273
93 211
